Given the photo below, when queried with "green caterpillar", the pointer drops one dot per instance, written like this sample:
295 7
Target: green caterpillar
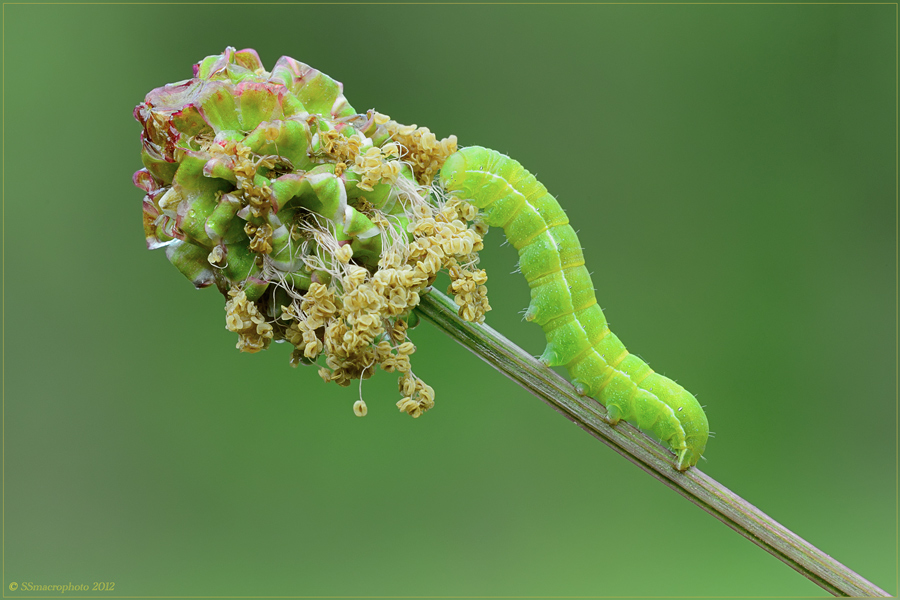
564 305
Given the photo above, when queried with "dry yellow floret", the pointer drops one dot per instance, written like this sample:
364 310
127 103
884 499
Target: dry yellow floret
355 276
261 240
216 255
342 149
470 293
418 397
318 305
169 200
422 150
376 166
245 165
359 408
463 209
398 331
243 317
344 253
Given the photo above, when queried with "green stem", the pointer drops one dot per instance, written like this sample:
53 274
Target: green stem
647 453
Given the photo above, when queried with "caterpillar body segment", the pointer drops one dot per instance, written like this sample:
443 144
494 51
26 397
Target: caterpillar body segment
564 305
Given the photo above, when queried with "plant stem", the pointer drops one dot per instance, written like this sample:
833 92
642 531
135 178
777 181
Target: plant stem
647 453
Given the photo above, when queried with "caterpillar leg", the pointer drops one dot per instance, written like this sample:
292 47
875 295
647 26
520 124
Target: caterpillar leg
581 388
614 415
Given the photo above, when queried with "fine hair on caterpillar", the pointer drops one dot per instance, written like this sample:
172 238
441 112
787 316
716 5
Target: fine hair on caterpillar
564 305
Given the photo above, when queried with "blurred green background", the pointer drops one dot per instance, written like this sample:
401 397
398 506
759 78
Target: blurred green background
731 170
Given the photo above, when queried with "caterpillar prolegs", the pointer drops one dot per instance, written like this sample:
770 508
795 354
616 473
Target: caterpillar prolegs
564 305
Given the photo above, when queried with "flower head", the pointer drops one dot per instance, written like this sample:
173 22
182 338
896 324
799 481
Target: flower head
320 225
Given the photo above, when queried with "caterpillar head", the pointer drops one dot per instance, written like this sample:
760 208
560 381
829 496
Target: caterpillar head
456 167
452 172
